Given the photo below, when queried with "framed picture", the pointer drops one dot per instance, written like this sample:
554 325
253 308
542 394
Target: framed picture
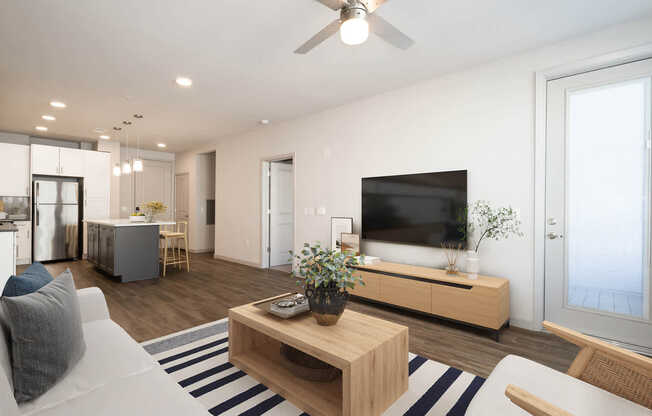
340 225
351 243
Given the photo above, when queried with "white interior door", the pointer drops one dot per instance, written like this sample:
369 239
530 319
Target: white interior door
597 264
281 218
182 200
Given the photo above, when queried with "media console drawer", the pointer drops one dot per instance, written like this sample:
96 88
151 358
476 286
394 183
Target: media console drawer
483 302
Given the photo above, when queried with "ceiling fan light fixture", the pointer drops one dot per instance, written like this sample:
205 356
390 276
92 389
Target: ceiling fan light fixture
355 28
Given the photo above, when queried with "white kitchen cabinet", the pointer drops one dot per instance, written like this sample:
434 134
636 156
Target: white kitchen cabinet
14 170
57 161
97 188
45 160
24 242
71 162
7 256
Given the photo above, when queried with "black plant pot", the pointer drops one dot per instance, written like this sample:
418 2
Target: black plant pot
327 302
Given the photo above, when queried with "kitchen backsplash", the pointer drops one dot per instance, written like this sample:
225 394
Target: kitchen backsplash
14 208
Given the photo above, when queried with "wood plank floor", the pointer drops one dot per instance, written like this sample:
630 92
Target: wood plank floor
154 308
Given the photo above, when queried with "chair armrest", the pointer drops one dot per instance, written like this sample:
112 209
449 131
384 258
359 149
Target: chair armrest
532 404
92 304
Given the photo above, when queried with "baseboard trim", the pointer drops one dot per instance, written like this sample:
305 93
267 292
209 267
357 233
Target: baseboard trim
238 261
524 324
201 251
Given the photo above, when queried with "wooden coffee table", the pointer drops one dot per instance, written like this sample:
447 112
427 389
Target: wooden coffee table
372 354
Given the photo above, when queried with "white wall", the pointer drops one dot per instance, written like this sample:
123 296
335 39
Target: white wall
480 119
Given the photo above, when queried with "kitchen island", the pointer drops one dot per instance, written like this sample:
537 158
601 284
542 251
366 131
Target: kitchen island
124 249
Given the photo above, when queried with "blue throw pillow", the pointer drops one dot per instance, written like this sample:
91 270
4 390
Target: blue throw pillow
35 277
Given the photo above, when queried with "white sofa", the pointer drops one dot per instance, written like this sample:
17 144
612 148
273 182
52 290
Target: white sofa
115 377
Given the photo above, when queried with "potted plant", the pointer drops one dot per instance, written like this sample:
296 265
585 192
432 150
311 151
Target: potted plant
152 208
485 221
326 274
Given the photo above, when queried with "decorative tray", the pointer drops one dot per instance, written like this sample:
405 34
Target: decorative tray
285 306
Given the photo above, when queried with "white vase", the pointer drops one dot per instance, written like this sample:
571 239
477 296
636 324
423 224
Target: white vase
472 264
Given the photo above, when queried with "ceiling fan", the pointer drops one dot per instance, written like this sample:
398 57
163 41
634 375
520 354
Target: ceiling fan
356 19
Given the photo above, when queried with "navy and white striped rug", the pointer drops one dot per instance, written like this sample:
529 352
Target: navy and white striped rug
198 360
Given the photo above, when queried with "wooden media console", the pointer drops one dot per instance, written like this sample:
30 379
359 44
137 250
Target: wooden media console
483 302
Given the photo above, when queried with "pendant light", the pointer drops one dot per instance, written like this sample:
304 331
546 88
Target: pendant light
138 162
116 168
126 165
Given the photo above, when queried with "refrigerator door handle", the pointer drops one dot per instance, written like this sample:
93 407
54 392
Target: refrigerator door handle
37 216
38 189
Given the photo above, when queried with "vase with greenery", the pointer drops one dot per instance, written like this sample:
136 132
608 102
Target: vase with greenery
483 221
326 275
152 208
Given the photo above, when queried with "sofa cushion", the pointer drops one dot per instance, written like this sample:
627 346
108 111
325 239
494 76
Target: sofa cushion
46 336
152 393
566 392
32 279
7 402
111 356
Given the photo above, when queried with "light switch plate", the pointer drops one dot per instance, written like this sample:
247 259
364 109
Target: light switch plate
321 211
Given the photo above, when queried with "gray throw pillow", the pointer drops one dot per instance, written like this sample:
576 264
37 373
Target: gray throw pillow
46 336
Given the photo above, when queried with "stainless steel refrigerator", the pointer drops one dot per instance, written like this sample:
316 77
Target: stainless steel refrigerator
56 219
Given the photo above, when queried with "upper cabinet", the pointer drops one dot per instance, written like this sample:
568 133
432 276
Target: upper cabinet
71 162
57 161
14 170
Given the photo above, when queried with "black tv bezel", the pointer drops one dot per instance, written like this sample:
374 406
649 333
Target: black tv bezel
409 243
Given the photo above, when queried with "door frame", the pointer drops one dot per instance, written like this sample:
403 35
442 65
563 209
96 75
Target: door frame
263 194
539 156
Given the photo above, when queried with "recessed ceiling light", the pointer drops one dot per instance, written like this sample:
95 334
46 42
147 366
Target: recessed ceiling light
105 137
41 128
57 104
48 117
162 145
184 81
99 130
264 121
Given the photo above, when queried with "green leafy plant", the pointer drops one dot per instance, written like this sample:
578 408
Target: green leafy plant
484 221
322 267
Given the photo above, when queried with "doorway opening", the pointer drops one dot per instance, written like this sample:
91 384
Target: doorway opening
277 213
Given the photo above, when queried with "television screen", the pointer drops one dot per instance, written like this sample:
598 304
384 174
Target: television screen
421 209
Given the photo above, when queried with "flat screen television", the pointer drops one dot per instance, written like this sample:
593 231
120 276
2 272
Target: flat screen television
420 209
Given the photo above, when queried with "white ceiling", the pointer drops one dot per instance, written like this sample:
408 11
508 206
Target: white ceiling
110 59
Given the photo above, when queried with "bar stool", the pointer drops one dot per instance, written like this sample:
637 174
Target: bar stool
172 236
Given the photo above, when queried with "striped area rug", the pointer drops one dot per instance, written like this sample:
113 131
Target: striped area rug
198 360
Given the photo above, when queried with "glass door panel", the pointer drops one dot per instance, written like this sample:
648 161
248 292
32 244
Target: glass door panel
607 219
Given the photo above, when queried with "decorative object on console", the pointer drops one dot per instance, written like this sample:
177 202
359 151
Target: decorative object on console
351 243
285 306
452 251
485 221
340 225
326 274
367 260
152 208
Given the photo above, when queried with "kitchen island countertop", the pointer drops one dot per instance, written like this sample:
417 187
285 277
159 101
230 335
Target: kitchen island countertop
124 222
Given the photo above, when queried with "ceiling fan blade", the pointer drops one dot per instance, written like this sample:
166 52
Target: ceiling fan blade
372 5
388 32
333 4
325 33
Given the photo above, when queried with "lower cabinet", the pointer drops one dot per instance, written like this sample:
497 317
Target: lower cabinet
101 246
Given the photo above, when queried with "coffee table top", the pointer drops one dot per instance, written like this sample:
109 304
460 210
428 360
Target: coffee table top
354 335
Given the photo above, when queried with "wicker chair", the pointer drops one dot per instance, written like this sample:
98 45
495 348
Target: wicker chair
603 365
